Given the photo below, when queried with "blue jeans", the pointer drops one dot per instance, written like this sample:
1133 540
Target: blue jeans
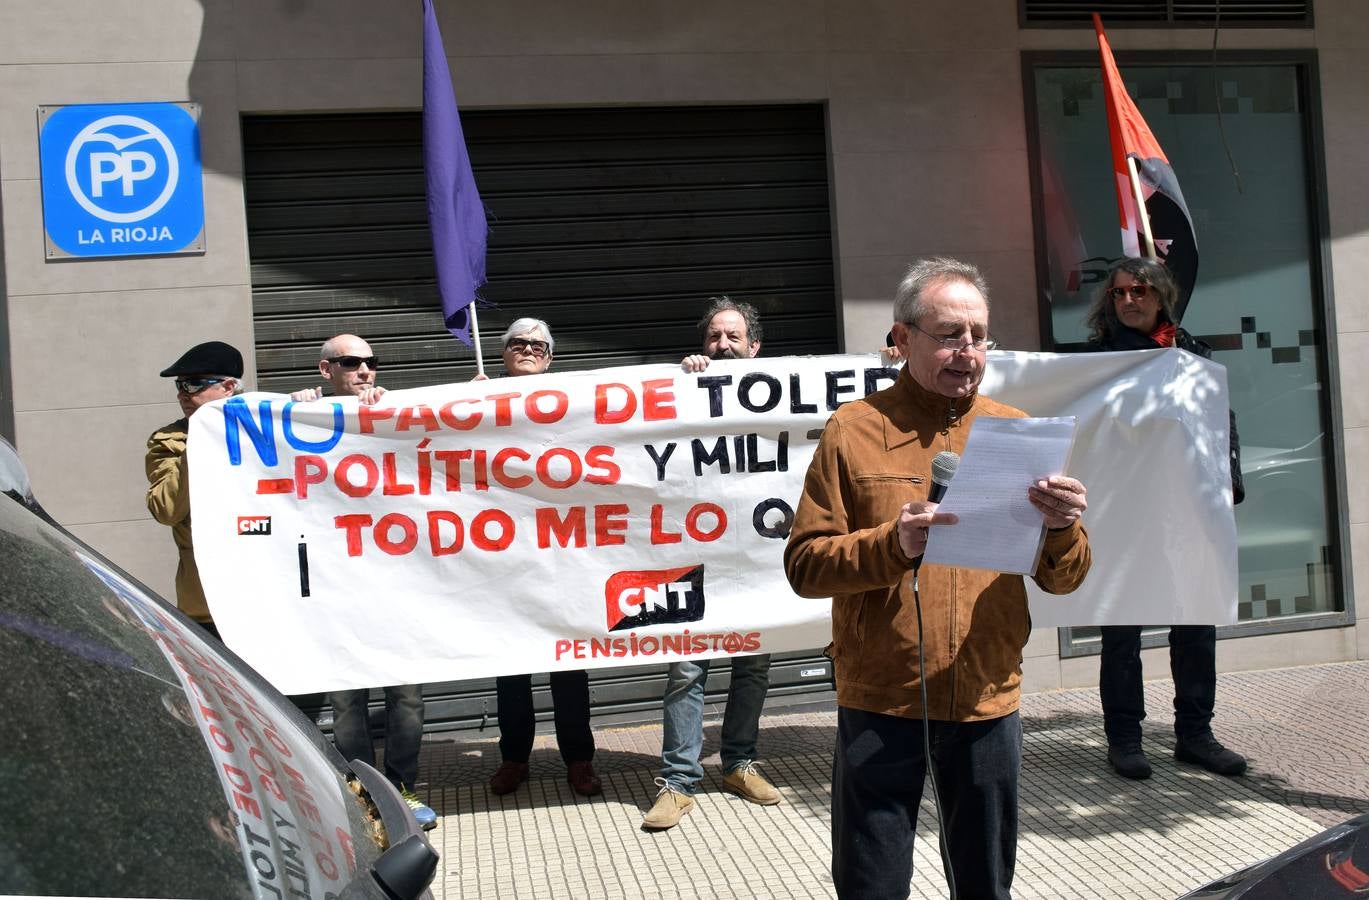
877 776
683 740
1192 663
403 729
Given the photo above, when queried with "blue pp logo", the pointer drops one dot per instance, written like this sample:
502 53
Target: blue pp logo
121 180
113 156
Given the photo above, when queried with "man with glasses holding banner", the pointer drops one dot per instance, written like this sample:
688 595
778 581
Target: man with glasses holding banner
349 365
204 373
729 329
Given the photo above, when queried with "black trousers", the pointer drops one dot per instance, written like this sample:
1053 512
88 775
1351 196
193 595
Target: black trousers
570 711
1192 663
877 779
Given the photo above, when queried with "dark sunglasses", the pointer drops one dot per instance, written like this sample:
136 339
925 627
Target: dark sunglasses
536 348
1137 291
193 386
351 363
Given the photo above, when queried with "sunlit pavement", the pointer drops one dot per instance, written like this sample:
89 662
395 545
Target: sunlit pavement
1085 832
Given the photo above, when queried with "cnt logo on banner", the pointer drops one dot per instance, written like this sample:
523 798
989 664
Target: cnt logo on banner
121 179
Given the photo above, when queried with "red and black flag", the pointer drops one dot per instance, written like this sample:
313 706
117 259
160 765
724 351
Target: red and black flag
1142 175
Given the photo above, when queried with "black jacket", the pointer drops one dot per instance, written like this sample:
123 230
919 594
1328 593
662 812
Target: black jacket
1130 339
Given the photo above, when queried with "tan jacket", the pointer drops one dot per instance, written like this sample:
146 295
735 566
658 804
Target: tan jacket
168 499
875 455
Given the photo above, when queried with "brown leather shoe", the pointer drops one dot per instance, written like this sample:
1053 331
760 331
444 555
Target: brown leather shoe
583 780
671 805
508 777
747 783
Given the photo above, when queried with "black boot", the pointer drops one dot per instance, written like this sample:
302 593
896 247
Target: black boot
1128 760
1208 752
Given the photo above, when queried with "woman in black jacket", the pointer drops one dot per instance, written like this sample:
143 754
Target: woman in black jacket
1135 311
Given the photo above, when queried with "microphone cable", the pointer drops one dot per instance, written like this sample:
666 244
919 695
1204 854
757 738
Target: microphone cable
927 743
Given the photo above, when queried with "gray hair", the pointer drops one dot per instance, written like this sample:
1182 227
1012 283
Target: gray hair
723 303
1102 318
926 273
526 325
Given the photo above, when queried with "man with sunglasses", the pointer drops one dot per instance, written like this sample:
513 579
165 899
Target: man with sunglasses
204 373
943 664
728 330
349 365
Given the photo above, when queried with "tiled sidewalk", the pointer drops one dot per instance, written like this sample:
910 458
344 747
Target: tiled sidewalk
1085 832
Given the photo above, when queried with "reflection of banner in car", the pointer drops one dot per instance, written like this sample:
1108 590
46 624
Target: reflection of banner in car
284 808
605 518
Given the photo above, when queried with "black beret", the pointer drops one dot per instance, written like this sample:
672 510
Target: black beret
209 358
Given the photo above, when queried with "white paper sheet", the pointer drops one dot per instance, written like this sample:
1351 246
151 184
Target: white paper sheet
999 529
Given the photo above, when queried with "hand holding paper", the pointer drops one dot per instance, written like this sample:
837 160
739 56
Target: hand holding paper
1005 490
1061 499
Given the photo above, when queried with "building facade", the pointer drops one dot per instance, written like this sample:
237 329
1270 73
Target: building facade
638 157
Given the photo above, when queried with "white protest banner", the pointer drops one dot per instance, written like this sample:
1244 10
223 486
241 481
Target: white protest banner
529 524
1151 447
638 515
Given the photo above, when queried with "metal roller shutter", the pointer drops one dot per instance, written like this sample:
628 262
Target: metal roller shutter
613 225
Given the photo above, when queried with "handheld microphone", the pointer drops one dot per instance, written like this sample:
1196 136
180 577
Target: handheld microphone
944 465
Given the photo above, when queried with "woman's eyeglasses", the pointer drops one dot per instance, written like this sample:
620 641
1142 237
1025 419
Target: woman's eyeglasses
521 345
1137 291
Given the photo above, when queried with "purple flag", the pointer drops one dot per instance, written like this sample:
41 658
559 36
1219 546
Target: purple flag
456 216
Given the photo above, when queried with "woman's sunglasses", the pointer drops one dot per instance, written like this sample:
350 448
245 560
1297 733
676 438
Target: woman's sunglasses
1137 291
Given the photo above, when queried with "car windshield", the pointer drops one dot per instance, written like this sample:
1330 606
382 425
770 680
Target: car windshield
140 761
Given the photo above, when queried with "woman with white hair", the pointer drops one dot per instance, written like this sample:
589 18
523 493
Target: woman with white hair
528 350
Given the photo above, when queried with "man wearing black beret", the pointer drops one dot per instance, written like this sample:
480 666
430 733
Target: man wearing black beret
204 373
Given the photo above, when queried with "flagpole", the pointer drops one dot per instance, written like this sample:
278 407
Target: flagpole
1141 207
475 340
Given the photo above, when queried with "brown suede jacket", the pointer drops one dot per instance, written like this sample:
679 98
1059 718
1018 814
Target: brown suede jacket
875 455
168 499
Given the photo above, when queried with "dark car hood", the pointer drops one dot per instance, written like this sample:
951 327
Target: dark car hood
142 758
1333 864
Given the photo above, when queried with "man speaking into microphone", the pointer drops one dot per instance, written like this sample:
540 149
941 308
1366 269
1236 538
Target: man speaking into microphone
858 535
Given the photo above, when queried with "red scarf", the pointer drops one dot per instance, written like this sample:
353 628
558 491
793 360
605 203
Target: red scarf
1164 334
